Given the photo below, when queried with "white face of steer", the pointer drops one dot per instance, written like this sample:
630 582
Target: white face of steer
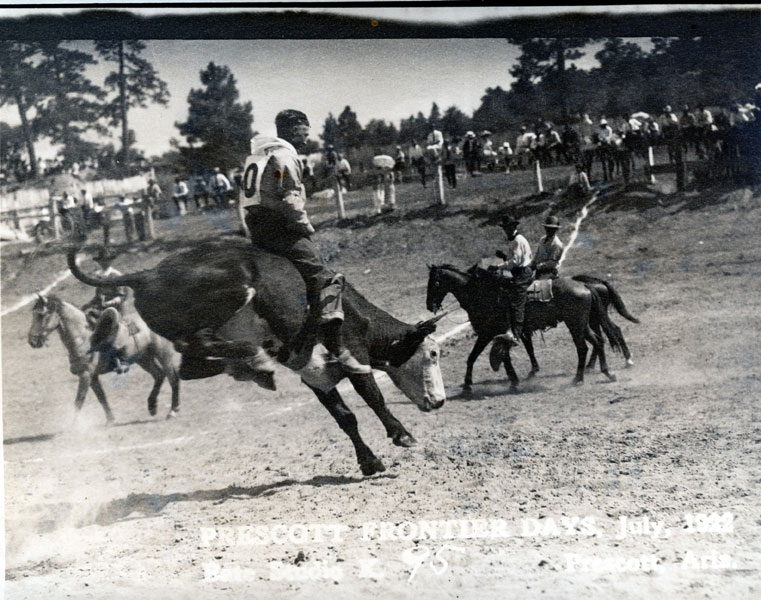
420 377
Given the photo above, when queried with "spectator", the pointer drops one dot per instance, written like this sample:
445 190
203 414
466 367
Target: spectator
450 170
554 143
128 218
344 172
102 218
399 163
180 196
200 193
417 159
220 185
87 207
487 154
605 133
525 145
470 151
154 194
506 152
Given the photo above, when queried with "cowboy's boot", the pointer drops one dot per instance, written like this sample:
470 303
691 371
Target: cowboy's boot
332 316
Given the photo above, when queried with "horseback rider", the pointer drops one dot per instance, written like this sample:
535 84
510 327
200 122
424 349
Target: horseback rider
550 250
515 272
280 224
107 296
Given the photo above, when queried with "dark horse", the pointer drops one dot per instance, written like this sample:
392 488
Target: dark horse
609 297
216 284
572 304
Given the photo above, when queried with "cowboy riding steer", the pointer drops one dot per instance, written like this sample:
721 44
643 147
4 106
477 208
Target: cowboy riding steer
222 303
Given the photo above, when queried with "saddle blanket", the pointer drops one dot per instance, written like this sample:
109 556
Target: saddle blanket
540 290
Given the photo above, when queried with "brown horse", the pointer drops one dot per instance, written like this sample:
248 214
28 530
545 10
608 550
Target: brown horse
142 346
573 303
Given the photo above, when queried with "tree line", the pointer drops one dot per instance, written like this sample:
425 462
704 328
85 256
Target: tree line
548 85
47 81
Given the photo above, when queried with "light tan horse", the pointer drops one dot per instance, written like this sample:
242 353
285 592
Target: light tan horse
137 344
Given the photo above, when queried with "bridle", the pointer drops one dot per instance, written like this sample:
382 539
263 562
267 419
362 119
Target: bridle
436 270
45 315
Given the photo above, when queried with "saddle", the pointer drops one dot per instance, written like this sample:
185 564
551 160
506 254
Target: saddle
540 290
113 336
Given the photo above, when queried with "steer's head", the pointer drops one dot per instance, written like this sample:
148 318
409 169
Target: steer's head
415 369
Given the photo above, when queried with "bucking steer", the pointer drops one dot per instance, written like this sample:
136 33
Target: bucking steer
221 303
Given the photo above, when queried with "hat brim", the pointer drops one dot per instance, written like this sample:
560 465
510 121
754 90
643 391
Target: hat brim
552 226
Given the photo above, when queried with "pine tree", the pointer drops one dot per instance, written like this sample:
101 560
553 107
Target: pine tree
20 85
135 81
217 121
76 103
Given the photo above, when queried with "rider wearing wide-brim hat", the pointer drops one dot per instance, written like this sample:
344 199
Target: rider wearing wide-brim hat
550 250
516 272
105 295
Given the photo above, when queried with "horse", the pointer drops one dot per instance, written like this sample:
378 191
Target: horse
572 304
608 297
151 352
220 284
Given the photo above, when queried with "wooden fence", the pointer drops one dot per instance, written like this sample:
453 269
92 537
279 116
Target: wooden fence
24 208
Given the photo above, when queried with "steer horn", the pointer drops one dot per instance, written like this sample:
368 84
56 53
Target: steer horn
429 326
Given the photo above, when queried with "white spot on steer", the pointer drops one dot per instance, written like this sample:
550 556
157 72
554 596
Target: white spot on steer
322 371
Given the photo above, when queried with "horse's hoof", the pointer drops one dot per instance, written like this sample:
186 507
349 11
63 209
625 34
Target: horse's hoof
467 391
109 422
578 382
152 411
171 414
513 389
531 375
405 440
629 363
612 376
371 467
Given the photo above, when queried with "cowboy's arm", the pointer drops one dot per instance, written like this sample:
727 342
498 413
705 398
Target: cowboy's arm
282 191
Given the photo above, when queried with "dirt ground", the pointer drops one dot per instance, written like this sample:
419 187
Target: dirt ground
251 493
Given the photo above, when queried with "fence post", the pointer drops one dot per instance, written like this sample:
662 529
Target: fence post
390 190
651 162
539 186
150 232
339 198
440 184
55 218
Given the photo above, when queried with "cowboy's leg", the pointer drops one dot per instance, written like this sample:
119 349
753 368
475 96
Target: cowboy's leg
324 292
323 288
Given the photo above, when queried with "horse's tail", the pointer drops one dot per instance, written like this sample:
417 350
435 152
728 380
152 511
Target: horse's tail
599 315
133 280
615 297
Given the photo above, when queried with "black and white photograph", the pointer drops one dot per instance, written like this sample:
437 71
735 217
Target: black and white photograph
400 300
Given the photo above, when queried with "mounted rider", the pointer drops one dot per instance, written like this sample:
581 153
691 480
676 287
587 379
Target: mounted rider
107 296
279 223
550 250
516 273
